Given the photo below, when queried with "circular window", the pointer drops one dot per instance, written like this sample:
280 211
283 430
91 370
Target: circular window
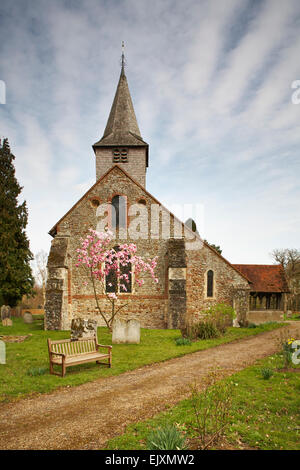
95 202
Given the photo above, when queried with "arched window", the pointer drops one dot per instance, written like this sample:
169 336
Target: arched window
210 283
128 284
113 284
119 214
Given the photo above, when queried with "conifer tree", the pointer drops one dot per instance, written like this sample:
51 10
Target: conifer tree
15 272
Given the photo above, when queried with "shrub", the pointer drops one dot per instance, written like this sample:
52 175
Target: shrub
222 315
212 409
183 341
204 330
252 325
214 321
266 373
167 438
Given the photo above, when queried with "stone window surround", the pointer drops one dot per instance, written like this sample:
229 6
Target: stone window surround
123 292
213 297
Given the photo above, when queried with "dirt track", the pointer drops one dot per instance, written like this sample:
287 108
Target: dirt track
85 417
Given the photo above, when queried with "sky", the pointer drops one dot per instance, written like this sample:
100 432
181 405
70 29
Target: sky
212 86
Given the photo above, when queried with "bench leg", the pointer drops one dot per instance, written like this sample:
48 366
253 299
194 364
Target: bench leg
51 368
63 369
104 363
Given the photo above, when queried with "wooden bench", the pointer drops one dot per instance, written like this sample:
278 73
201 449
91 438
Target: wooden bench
70 353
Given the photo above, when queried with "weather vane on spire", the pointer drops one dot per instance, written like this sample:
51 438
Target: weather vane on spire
123 58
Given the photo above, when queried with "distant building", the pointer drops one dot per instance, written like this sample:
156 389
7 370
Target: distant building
268 290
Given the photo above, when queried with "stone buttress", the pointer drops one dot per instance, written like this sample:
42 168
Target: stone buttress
56 306
177 283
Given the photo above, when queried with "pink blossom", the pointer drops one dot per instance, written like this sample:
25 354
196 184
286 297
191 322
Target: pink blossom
112 295
100 259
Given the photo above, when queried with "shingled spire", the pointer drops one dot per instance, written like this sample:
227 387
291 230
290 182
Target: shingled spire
122 127
122 133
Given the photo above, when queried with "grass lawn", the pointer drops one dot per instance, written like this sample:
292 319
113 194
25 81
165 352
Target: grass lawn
265 413
32 354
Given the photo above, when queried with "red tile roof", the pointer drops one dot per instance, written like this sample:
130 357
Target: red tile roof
264 278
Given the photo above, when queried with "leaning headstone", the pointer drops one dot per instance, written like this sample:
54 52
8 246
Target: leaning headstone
119 328
133 332
83 328
27 317
289 314
5 312
7 322
235 323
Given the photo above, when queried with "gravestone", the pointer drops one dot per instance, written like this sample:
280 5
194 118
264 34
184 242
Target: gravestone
83 328
2 352
119 331
27 317
5 312
289 314
133 332
235 323
126 331
7 322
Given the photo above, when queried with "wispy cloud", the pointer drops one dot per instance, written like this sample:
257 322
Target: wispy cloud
211 85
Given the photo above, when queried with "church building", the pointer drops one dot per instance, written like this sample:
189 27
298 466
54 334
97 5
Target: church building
192 276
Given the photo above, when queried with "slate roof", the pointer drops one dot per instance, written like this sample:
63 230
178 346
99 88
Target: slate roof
122 128
264 278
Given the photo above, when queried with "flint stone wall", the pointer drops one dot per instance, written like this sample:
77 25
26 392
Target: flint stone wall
56 305
227 281
180 291
177 283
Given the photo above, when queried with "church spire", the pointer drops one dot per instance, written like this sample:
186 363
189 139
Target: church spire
122 128
122 142
123 60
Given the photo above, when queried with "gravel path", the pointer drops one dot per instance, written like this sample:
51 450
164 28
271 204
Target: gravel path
86 416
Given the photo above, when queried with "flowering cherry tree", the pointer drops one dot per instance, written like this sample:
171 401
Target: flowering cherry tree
102 262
